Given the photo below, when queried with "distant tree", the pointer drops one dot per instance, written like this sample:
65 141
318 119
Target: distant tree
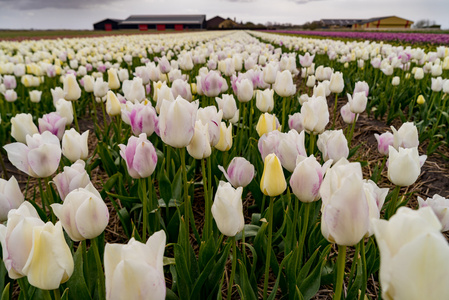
424 23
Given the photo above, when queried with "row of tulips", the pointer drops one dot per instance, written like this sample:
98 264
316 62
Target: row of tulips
187 133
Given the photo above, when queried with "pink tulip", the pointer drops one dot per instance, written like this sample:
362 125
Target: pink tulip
140 156
54 123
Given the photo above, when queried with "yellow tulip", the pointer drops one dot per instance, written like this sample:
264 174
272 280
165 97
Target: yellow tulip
225 141
273 181
267 123
421 100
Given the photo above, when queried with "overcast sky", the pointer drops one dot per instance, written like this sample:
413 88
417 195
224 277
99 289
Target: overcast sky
81 14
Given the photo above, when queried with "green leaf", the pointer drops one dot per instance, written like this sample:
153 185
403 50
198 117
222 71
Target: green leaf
65 295
165 187
170 295
246 288
276 284
5 294
218 270
77 283
310 286
184 279
213 269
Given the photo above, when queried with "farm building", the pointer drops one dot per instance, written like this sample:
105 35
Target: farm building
220 23
159 22
339 23
107 24
390 22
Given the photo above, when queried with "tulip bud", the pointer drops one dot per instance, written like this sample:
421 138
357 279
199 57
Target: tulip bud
264 100
346 113
100 88
419 74
412 236
307 177
245 90
311 80
361 86
39 157
406 136
134 90
50 262
337 83
74 145
210 116
440 207
211 84
225 141
291 145
141 118
273 181
16 238
65 109
71 178
123 75
35 96
113 107
240 172
181 88
135 269
52 122
140 156
10 95
11 196
395 81
404 166
164 93
357 104
315 114
227 105
177 122
199 147
270 72
267 123
164 65
384 141
83 214
306 60
295 122
227 209
72 91
333 145
21 126
345 211
283 85
113 81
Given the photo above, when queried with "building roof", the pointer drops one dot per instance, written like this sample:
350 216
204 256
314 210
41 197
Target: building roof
340 22
381 18
164 19
109 19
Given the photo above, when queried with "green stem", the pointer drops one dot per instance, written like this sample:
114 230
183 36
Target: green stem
391 208
270 237
379 172
168 160
243 127
410 113
391 108
101 288
105 122
304 231
312 139
354 262
251 108
22 285
74 116
57 294
341 259
334 118
295 223
143 187
351 133
234 266
207 208
186 191
365 275
432 100
284 102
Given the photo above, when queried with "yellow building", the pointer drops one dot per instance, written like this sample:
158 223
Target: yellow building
390 22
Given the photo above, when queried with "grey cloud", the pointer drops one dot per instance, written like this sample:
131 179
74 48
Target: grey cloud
58 4
305 1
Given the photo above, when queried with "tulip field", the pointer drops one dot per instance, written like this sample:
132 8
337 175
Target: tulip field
223 165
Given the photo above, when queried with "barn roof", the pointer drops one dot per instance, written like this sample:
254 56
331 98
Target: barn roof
381 18
340 22
165 19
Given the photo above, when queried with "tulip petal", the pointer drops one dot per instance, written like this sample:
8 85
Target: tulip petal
18 156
